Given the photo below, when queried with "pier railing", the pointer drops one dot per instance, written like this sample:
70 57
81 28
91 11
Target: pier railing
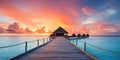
26 44
86 44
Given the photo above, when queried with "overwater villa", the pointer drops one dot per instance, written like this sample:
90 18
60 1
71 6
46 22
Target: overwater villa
59 32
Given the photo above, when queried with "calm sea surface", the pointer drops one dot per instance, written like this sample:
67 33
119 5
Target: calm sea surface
7 53
104 48
111 44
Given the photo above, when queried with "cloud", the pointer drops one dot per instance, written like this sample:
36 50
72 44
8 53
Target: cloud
110 12
2 30
89 11
89 20
55 13
28 30
14 28
42 30
107 28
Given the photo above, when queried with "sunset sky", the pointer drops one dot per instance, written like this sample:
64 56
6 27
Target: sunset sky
76 16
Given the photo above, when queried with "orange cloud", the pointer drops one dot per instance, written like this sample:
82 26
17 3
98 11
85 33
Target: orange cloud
28 30
42 30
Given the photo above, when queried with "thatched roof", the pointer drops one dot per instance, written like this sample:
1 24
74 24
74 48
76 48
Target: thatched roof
60 30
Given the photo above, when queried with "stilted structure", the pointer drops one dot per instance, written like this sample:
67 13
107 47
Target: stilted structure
60 32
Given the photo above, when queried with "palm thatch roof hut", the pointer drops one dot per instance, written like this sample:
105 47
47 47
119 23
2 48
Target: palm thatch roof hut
60 32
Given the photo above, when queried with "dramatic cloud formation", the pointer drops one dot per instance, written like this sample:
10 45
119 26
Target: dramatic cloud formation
14 28
76 16
2 30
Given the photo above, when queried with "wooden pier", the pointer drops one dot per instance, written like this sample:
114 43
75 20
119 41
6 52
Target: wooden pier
58 49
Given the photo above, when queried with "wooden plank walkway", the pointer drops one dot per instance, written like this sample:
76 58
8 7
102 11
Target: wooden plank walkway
58 49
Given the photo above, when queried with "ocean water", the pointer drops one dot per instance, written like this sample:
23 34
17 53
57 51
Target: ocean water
10 52
112 44
103 48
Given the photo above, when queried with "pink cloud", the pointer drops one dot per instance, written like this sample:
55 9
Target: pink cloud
2 30
14 28
107 28
88 11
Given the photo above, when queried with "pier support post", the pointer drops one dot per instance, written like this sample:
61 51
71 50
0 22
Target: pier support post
43 41
38 42
25 46
70 40
48 39
73 41
84 46
76 42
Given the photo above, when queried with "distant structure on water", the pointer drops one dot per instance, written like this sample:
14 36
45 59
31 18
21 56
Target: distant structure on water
59 32
62 32
79 35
